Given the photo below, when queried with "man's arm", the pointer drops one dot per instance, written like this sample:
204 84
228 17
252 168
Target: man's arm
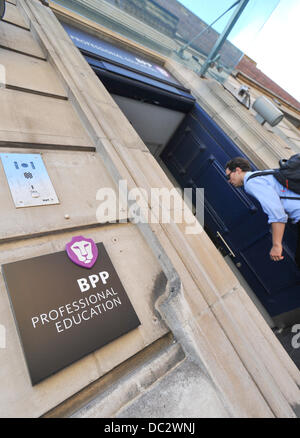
277 236
271 204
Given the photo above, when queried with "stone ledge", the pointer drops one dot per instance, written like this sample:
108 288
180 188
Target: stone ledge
155 357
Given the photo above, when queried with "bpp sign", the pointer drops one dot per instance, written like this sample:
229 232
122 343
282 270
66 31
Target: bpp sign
67 305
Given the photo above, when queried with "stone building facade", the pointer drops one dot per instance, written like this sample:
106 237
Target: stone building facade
201 337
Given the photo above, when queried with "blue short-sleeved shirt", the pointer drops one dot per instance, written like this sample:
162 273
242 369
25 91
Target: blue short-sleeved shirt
267 190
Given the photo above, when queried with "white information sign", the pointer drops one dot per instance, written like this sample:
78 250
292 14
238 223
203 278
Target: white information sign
28 180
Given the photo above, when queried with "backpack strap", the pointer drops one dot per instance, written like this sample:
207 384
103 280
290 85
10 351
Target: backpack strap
270 172
262 173
288 197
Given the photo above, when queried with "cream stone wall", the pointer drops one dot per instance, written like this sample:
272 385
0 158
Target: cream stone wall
126 247
13 16
31 118
67 170
177 282
38 117
19 40
31 74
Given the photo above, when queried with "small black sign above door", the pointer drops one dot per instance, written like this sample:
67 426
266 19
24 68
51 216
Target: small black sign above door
67 305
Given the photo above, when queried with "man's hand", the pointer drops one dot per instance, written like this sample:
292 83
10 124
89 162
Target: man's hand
276 253
277 235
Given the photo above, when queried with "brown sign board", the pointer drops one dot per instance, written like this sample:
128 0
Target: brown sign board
64 311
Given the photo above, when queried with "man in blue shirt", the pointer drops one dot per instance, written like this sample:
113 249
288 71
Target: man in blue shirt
267 190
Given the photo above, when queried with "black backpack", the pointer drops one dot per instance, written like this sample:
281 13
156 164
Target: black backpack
288 174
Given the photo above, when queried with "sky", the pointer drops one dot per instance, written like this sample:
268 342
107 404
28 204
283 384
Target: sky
268 31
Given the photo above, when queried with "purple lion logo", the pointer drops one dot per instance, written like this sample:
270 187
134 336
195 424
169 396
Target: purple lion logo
82 251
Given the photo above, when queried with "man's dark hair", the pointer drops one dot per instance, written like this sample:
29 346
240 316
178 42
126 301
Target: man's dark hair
240 162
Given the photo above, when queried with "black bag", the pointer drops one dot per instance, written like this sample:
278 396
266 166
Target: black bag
288 174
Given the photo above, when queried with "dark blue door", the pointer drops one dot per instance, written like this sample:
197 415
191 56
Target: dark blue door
196 156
